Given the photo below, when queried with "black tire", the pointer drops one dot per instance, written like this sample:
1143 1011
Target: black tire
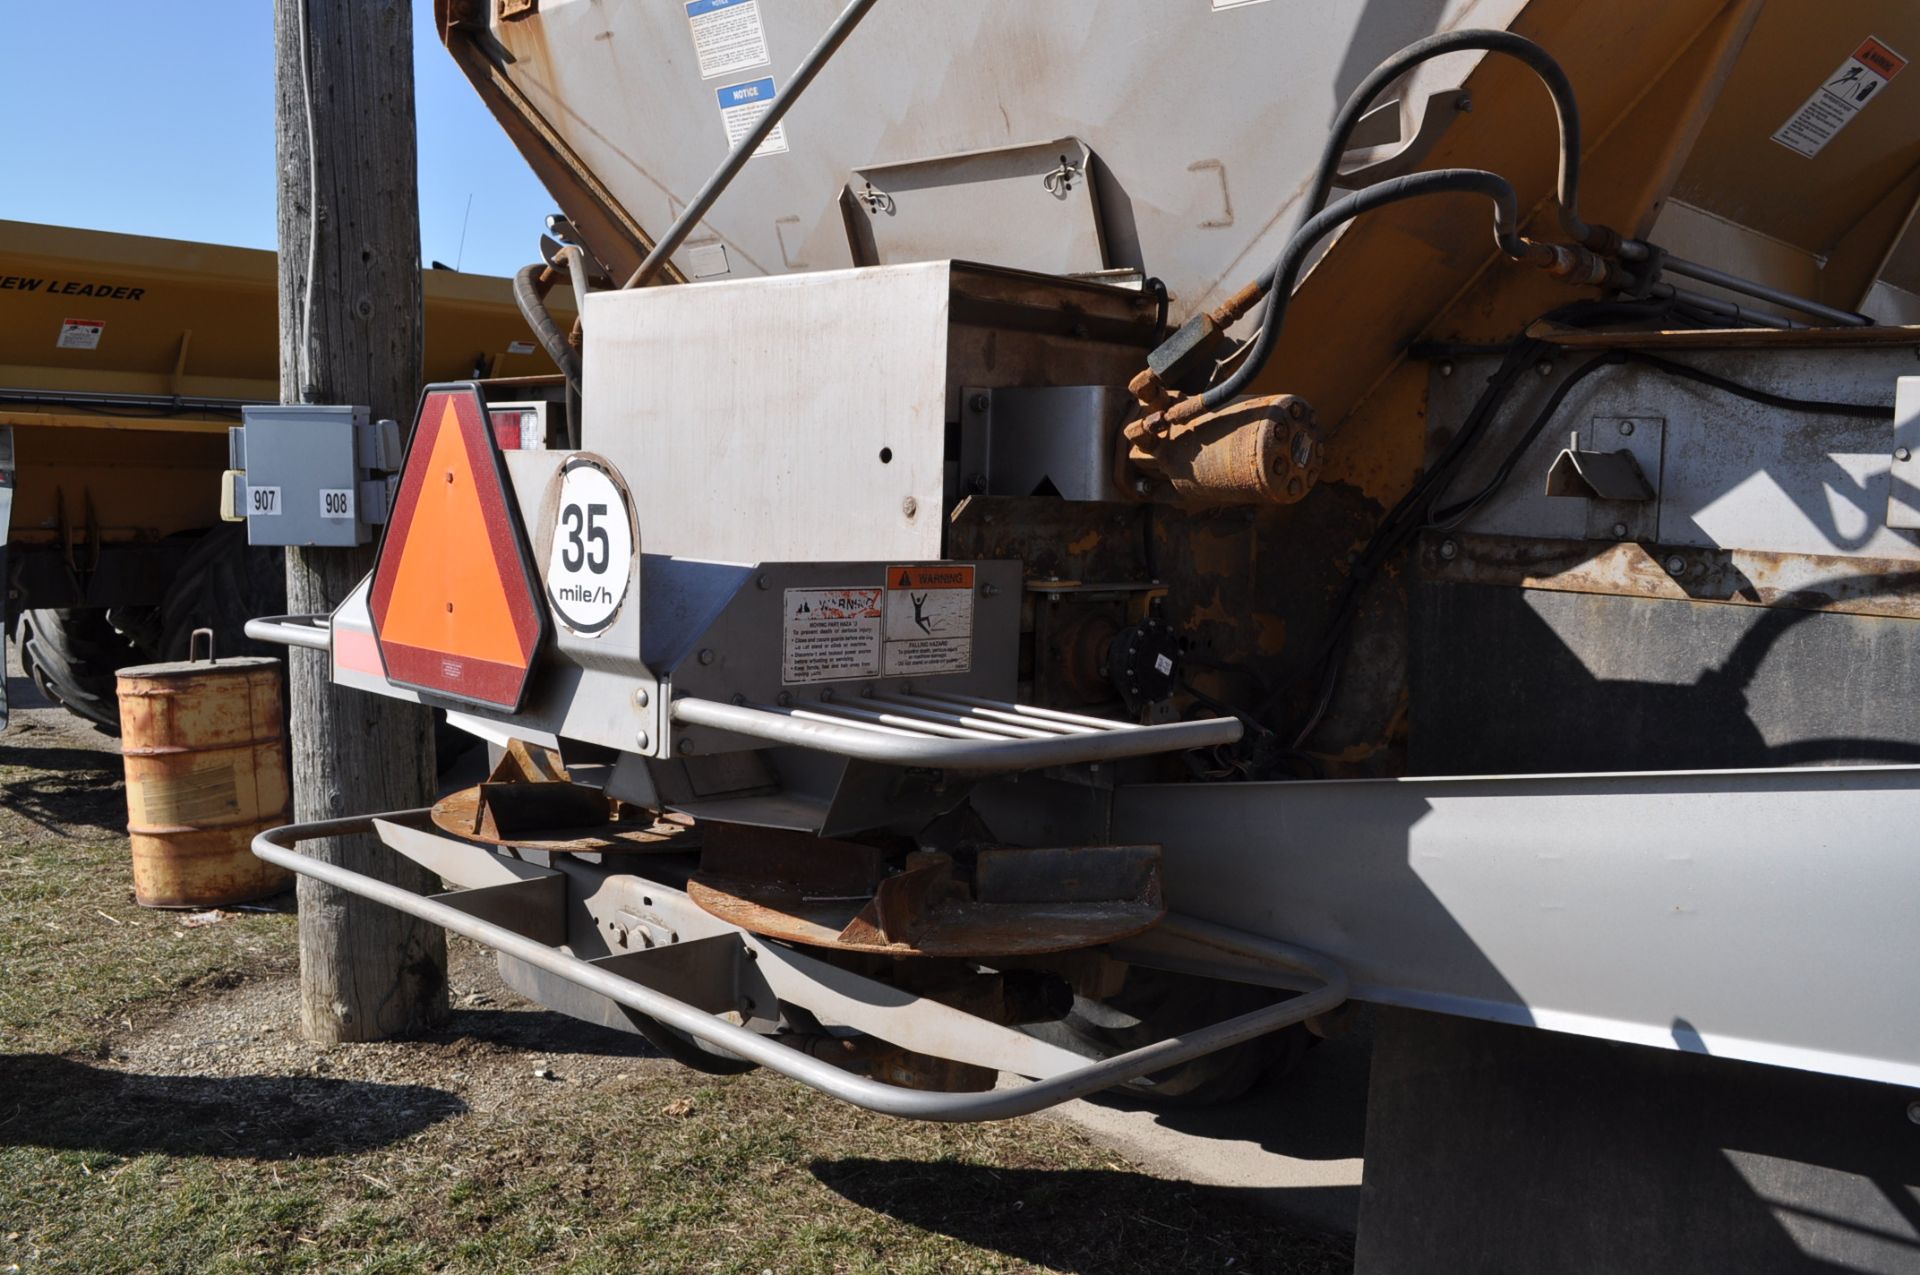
70 655
1155 1004
222 583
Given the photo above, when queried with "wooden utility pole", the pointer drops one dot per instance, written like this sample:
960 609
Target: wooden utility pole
350 332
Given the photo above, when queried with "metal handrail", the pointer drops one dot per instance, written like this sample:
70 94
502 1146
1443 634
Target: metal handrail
314 632
897 739
275 845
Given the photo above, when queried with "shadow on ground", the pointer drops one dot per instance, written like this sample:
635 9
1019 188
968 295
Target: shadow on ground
59 788
1315 1111
63 1104
1083 1221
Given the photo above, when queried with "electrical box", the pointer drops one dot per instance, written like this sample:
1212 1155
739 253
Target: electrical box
311 475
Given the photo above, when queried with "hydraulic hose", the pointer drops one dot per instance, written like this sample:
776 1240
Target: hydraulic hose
1504 42
533 308
1286 270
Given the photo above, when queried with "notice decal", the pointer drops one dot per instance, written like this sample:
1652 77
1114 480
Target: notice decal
1857 83
742 105
728 36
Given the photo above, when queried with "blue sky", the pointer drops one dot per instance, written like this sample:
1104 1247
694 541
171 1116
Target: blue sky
157 119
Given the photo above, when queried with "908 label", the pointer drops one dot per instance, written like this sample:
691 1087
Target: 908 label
336 502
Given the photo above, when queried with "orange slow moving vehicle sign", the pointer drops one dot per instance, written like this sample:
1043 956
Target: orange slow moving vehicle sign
455 602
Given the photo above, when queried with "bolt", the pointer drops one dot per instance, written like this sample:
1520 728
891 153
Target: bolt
1626 429
1142 487
1545 367
640 697
1913 1111
763 584
706 655
642 740
979 403
1902 453
1446 367
1449 550
1619 531
989 590
686 747
909 506
1676 564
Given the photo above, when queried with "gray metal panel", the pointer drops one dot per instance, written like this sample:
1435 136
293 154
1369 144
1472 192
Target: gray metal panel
1208 122
1761 915
961 206
297 452
1732 473
744 650
1585 681
1903 501
777 419
1024 440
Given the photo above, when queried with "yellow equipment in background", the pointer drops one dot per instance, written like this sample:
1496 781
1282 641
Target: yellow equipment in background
123 361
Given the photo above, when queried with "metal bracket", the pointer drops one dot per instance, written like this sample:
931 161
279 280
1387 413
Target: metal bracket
1621 496
534 908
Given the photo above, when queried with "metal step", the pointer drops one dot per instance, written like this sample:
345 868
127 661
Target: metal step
953 732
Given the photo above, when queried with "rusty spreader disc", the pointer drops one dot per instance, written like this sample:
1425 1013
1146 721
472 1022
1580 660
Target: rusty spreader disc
636 831
1019 903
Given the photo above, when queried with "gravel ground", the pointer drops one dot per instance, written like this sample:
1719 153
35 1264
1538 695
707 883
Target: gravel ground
159 1111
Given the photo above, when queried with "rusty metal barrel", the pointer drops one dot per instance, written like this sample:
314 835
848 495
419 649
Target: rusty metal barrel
205 747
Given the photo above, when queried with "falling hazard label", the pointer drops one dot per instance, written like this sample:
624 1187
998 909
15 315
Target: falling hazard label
830 634
929 620
1859 81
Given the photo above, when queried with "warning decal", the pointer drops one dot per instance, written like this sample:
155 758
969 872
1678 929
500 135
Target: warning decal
727 35
1857 82
80 334
929 620
830 634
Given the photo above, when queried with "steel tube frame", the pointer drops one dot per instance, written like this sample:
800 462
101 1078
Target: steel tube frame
315 632
783 102
275 845
1763 292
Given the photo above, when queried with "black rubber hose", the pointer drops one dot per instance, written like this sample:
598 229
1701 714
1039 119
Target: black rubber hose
1286 270
533 308
1503 42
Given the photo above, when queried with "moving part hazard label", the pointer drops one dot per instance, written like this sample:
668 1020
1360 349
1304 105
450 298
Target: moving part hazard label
1856 84
929 622
830 634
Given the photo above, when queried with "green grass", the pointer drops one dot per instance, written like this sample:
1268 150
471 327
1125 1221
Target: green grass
387 1162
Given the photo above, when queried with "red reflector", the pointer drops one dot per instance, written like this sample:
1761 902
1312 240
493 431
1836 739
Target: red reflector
455 601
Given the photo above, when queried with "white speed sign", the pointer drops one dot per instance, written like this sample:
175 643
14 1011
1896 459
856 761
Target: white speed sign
592 554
